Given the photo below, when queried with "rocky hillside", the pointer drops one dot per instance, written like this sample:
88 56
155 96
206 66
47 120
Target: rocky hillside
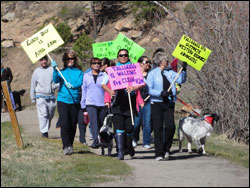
222 86
21 19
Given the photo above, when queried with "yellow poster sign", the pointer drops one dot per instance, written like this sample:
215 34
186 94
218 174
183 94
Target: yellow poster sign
191 52
42 42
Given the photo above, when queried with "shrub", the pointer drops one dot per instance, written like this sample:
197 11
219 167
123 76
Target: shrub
190 11
64 31
143 10
150 12
83 48
67 13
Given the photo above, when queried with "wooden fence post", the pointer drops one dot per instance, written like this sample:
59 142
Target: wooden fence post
12 114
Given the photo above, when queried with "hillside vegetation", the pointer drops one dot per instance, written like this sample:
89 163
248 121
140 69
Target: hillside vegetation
222 86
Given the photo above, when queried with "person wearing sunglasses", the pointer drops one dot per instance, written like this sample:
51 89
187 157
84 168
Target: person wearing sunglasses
68 98
93 99
144 114
121 110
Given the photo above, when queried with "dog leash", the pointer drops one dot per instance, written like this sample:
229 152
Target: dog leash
189 107
207 119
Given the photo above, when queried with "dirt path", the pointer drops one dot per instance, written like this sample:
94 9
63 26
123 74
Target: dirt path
181 170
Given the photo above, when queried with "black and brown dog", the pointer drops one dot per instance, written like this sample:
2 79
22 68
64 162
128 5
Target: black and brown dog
17 98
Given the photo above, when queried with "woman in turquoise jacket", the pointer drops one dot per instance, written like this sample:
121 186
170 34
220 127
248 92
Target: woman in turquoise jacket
68 99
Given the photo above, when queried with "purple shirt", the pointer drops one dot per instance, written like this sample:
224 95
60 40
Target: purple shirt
92 93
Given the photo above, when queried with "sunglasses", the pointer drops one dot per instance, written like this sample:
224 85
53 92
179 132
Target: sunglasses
72 58
96 63
123 55
146 62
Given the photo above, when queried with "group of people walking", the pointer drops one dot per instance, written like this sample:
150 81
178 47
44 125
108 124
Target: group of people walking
153 103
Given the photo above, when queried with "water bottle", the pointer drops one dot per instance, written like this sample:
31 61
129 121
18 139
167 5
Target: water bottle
86 118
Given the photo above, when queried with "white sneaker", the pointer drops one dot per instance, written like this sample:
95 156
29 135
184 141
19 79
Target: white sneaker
85 144
134 143
159 158
147 146
166 155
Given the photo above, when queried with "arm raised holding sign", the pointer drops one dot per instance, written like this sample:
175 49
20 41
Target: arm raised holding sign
163 101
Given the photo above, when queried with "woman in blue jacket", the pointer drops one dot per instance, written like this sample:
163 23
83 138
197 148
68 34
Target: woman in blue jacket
68 99
163 102
93 98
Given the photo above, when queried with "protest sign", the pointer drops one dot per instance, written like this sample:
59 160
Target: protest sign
41 43
123 76
122 42
103 49
191 52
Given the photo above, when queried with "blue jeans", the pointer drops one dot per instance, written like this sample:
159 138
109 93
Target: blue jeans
145 116
96 118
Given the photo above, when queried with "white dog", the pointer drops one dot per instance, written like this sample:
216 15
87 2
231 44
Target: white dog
196 129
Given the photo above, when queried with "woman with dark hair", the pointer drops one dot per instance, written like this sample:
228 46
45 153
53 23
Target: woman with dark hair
68 99
93 99
105 63
144 115
121 110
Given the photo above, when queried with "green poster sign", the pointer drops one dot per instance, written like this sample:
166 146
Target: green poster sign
191 52
103 49
122 42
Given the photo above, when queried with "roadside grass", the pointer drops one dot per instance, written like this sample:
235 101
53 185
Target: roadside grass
42 163
220 146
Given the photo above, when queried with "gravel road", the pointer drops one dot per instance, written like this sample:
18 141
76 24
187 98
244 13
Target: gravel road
182 170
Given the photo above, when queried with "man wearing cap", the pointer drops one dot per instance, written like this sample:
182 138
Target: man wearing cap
42 93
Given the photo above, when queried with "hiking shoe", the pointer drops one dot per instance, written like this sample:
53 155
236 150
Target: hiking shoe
166 155
146 147
68 150
45 135
159 158
85 143
95 146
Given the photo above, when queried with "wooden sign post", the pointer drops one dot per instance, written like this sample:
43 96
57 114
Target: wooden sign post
12 114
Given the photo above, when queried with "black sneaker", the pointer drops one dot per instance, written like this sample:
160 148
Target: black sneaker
95 146
45 135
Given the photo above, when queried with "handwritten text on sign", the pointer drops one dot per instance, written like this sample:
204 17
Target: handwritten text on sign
123 42
41 43
123 76
191 52
103 49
